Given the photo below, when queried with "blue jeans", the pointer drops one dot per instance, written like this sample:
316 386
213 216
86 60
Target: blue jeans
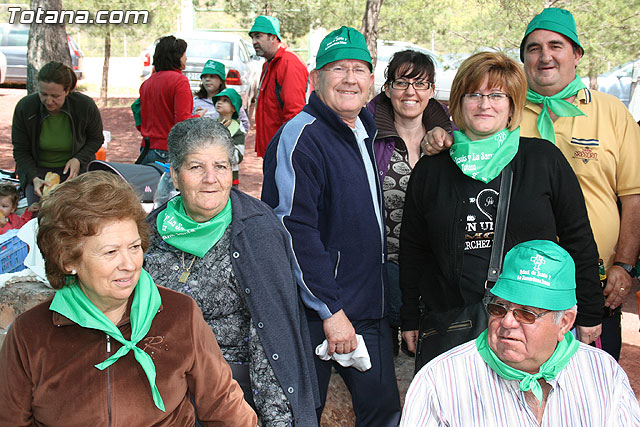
395 295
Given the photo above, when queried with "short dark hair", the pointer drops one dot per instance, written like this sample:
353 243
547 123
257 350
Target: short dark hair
9 190
57 72
410 64
168 52
78 209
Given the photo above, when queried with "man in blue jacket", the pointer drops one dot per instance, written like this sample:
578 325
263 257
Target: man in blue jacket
320 176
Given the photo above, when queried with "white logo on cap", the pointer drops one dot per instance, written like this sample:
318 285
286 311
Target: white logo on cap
537 260
336 41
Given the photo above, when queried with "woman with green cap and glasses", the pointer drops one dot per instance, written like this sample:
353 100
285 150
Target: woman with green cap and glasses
212 82
111 348
229 252
452 202
228 103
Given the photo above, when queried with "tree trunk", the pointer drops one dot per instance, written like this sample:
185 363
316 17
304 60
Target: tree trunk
370 31
105 67
47 42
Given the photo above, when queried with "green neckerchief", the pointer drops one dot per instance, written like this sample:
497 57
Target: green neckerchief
196 238
484 159
73 304
548 370
558 105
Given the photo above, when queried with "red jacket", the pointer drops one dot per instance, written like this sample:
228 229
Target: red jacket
15 222
165 99
282 95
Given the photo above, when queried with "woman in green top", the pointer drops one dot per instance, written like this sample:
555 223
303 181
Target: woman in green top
55 130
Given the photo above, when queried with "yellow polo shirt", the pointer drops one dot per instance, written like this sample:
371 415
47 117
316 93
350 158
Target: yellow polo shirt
603 149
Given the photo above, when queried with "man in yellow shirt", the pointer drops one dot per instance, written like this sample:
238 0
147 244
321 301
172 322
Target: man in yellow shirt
601 142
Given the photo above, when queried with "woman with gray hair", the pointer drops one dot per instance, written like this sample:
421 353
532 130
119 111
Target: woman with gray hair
230 253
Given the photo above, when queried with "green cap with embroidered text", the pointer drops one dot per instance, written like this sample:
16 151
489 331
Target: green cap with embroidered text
233 96
538 273
343 43
266 24
553 19
215 68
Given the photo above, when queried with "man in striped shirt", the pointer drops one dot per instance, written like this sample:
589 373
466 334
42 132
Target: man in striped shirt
526 369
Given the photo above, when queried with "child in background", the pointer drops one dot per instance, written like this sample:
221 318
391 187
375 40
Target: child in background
8 205
228 103
212 82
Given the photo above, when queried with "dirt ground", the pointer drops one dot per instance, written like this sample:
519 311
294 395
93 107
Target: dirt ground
124 147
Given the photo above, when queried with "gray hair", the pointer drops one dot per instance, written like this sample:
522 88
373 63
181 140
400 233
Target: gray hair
192 134
557 315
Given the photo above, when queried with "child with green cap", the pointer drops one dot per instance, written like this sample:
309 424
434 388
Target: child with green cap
212 81
228 103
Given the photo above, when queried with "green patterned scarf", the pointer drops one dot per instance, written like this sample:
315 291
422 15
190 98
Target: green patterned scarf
548 370
180 231
558 105
73 304
484 159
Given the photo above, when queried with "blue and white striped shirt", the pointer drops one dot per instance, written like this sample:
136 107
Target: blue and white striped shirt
459 389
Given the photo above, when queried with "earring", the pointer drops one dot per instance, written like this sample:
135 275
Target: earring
73 272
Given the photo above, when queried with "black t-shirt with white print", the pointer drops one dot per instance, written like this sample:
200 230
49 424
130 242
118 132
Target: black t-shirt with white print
478 239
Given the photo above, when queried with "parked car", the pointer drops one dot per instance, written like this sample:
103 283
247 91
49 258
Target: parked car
13 44
242 64
386 49
616 82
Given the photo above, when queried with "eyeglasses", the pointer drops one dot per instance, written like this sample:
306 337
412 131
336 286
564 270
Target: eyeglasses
359 72
417 85
522 315
494 98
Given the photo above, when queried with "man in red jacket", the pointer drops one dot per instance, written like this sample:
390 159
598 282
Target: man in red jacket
283 83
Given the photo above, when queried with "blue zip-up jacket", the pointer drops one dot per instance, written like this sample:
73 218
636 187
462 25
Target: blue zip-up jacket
315 180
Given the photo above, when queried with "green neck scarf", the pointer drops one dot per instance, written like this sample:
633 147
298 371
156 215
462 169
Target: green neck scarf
548 370
196 238
484 159
558 105
73 304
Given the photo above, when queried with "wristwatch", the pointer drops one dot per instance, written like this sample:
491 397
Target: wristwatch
628 268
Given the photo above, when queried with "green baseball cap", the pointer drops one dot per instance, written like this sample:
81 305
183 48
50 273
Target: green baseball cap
538 273
233 96
266 24
343 43
215 68
553 19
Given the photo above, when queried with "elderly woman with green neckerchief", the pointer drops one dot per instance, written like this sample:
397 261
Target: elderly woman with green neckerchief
450 209
230 253
111 348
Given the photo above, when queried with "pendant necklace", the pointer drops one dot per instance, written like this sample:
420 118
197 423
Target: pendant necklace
186 271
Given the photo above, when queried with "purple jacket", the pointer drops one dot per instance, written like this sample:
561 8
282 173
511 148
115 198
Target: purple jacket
436 114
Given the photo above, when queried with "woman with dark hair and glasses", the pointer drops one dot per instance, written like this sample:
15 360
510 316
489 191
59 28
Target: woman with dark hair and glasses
55 130
404 111
165 97
451 204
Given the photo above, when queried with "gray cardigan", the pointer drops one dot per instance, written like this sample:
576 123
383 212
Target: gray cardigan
263 264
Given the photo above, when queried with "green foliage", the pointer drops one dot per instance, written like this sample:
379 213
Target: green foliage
294 15
90 37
